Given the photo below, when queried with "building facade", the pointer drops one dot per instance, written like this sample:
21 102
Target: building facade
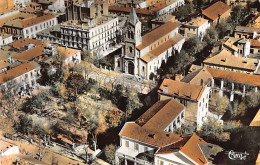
92 35
143 55
195 98
21 78
27 28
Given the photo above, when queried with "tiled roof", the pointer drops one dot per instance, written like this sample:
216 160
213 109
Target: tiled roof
182 89
196 22
193 151
189 146
162 48
256 121
23 23
247 29
160 115
235 76
7 6
22 42
156 34
215 10
197 77
156 7
148 136
225 58
254 43
4 63
30 54
17 71
66 52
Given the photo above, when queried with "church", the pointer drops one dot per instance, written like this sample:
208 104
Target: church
143 55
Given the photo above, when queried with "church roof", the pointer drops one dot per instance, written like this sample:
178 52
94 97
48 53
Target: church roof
133 19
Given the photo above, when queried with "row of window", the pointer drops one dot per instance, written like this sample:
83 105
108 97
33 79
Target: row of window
136 146
37 27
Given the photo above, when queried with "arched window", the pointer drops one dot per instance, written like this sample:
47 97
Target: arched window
128 34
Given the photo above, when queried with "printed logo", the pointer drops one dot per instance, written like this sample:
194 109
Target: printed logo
237 155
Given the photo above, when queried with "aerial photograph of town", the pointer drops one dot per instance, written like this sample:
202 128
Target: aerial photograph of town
130 82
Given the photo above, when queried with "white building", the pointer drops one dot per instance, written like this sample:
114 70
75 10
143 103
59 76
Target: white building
92 34
143 55
57 6
20 78
5 39
28 27
171 6
21 3
150 141
194 97
69 56
195 27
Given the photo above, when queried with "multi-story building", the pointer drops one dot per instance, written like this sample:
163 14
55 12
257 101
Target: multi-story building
99 33
69 56
171 6
88 9
150 137
237 46
230 83
143 55
195 98
195 27
225 60
216 13
20 78
26 27
255 47
247 32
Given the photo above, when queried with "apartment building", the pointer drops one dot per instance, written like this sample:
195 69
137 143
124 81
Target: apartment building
5 39
143 55
195 98
27 27
21 78
216 13
195 27
98 33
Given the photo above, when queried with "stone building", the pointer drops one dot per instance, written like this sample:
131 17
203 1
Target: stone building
87 9
216 13
143 55
195 98
195 27
237 46
231 84
147 140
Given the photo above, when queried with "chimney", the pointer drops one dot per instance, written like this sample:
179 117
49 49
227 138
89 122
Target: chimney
165 89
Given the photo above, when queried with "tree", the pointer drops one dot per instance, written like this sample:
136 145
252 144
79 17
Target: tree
110 153
35 102
24 125
75 85
211 38
219 103
184 11
238 15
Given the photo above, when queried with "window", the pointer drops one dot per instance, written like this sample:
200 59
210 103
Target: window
182 115
145 149
127 143
136 147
